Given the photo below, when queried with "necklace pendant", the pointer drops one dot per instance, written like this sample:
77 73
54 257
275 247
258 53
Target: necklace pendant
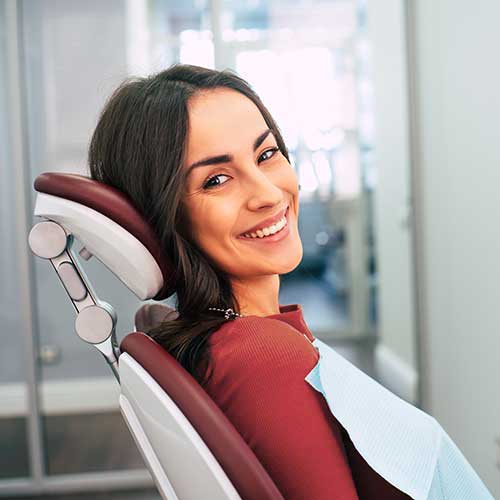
229 314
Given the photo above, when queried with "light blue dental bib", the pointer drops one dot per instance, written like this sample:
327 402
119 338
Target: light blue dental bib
403 444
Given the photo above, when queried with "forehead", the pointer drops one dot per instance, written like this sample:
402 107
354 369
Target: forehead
221 120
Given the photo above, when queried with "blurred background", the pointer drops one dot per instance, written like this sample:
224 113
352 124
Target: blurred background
390 111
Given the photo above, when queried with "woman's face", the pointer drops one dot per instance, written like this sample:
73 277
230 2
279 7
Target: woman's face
246 182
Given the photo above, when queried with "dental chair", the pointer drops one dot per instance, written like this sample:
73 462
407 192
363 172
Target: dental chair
190 447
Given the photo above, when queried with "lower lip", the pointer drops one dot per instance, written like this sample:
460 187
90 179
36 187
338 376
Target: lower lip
280 235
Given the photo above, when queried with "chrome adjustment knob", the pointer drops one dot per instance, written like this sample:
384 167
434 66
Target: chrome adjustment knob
94 324
47 240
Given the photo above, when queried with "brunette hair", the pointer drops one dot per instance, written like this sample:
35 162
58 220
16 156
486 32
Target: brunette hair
139 147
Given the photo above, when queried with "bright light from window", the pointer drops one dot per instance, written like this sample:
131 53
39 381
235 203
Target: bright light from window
197 48
346 171
307 177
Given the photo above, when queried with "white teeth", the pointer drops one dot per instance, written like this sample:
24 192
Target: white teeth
267 231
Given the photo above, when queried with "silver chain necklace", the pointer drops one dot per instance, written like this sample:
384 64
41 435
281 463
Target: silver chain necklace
228 313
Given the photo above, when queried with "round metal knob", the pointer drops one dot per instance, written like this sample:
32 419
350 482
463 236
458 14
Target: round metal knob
94 324
47 240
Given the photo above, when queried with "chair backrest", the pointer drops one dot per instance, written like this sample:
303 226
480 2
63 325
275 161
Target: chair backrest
181 432
196 444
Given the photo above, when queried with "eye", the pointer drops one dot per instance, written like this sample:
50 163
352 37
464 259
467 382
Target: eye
272 150
207 184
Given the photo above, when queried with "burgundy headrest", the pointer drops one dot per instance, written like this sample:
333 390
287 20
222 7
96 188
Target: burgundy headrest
113 204
239 462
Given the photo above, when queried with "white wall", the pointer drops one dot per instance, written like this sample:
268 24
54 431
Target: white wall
457 168
395 354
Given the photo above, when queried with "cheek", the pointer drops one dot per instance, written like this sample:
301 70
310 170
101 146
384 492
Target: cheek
287 172
212 227
288 180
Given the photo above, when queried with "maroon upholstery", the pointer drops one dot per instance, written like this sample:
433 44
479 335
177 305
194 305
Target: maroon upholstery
115 205
228 447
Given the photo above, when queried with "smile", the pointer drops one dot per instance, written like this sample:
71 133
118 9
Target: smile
275 232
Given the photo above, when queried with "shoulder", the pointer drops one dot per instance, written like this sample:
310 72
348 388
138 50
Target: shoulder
255 329
257 343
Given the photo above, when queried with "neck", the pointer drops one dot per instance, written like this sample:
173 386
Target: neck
258 295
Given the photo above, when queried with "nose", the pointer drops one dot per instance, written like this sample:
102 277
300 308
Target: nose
262 190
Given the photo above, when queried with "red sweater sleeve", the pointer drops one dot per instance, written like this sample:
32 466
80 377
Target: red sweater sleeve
258 369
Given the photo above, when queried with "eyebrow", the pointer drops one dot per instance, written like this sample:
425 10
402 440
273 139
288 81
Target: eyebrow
215 160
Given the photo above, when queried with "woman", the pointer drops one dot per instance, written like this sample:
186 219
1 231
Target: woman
201 157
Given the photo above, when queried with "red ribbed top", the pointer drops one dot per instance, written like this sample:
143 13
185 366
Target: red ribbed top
258 368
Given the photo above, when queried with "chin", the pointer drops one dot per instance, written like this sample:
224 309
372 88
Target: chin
298 259
292 262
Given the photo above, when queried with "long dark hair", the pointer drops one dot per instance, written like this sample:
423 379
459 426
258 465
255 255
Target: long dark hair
139 147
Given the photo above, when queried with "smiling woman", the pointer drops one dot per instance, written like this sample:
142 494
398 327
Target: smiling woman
201 157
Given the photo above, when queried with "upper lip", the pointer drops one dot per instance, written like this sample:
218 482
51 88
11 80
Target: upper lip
267 222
